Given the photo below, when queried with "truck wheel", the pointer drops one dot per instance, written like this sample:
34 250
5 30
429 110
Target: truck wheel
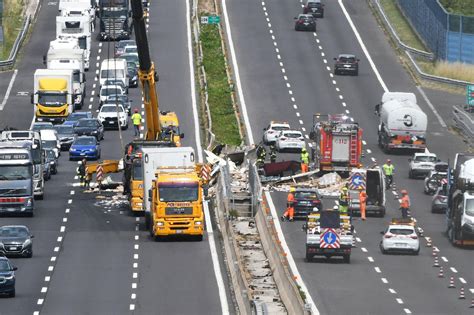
41 197
308 258
416 252
347 259
410 174
198 238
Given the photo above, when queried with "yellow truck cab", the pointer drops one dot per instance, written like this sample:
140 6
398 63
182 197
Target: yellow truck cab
177 203
52 95
170 127
172 192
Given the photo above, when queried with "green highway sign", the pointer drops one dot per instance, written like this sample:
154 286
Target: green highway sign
213 19
470 95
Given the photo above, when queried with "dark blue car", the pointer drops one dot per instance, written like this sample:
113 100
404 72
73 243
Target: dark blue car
87 147
7 277
74 117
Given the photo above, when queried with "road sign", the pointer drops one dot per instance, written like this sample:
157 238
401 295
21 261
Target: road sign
357 181
212 19
470 95
100 174
329 239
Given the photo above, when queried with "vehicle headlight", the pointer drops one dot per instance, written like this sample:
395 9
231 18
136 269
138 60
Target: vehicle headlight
95 131
27 242
160 223
139 204
197 223
10 277
51 163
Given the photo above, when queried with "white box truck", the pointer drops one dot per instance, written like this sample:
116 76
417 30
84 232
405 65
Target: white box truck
79 7
76 27
114 69
72 59
402 122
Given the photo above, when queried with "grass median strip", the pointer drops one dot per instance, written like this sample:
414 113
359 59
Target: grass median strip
224 121
12 21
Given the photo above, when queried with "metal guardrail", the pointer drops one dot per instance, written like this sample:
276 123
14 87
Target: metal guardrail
410 51
10 62
464 122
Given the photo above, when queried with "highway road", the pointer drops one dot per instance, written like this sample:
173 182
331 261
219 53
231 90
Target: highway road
287 75
91 255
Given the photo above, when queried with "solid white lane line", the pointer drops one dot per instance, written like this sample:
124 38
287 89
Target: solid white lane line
236 73
9 89
362 45
433 109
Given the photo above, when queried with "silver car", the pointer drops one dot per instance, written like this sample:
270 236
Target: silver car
421 164
400 238
290 140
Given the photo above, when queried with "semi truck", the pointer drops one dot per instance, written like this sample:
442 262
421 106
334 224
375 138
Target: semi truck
76 26
372 180
16 179
402 123
328 234
173 192
70 59
52 95
32 141
115 19
338 143
460 212
79 7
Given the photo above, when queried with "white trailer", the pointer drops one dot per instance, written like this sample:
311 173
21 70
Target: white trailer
78 7
70 59
76 27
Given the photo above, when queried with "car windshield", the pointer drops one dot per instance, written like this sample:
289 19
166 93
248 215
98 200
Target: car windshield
114 14
85 141
37 127
314 4
306 195
111 109
113 82
13 231
469 207
279 128
86 123
422 158
130 58
292 134
112 73
131 49
15 172
63 130
49 144
306 18
4 266
110 91
50 154
124 43
178 192
399 231
347 59
75 117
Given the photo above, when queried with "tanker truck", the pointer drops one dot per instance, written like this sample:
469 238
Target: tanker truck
402 123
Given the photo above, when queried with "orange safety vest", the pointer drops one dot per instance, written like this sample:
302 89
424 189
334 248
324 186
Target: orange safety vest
405 202
362 197
290 198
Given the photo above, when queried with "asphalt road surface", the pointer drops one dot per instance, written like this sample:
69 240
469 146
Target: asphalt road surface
91 256
288 75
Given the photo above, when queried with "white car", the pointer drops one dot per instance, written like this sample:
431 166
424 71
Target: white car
107 90
290 140
272 131
108 116
421 164
400 237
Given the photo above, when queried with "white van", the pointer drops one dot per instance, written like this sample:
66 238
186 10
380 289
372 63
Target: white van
50 140
114 69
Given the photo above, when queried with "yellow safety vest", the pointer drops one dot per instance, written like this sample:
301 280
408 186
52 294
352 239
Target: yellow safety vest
136 118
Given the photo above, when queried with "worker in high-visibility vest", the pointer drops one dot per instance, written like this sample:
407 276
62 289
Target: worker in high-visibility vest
290 210
304 160
404 204
362 203
344 200
388 169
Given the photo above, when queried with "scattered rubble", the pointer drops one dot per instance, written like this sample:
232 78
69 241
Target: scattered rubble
257 270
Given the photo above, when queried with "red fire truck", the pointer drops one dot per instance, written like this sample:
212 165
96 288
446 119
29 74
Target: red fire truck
338 142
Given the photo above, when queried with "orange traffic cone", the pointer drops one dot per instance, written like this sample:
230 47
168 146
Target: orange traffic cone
436 262
451 282
461 294
441 274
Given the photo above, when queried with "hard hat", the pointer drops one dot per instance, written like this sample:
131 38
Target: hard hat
292 189
404 192
303 150
335 208
136 110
